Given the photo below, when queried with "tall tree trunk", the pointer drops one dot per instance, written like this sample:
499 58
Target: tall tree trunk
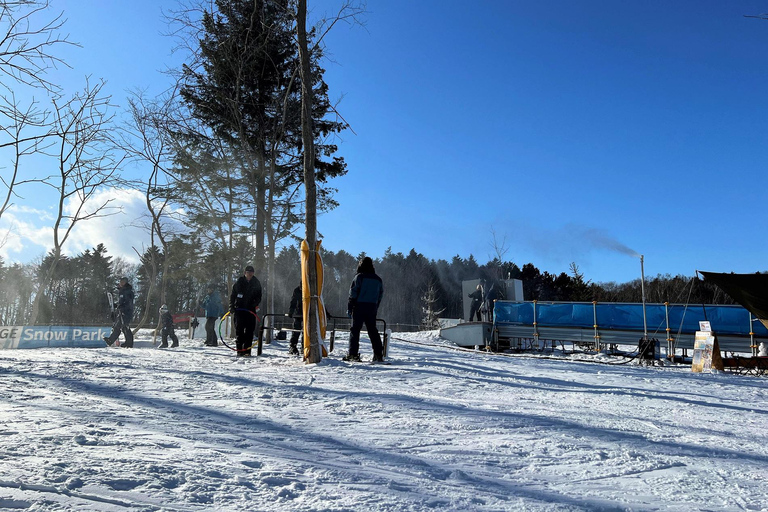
261 217
307 136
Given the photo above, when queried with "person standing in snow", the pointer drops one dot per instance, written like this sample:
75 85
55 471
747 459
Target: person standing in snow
123 315
296 311
213 311
365 295
477 303
494 293
243 303
167 320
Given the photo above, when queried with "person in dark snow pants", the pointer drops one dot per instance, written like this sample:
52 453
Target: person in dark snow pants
477 304
167 320
296 311
123 315
243 303
213 311
365 295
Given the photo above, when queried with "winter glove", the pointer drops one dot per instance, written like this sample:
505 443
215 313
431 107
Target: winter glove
349 314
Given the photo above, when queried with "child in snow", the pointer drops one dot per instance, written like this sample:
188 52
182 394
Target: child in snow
167 320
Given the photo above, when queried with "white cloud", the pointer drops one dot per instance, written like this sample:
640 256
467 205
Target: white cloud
30 231
21 236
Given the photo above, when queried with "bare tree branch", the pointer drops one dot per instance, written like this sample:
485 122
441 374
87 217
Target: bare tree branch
86 164
21 120
26 42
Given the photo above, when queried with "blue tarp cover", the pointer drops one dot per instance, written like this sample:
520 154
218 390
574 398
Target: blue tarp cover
629 316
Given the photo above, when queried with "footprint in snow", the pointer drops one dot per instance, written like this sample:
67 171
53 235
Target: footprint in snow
124 484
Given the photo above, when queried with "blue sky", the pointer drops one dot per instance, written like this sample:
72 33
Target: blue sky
578 131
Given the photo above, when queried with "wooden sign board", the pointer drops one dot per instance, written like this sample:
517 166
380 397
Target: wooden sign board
706 353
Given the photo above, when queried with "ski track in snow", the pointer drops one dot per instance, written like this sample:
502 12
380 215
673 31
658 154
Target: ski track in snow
194 428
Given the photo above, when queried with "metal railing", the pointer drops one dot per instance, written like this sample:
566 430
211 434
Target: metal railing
333 324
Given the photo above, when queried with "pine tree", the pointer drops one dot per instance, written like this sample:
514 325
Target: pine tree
247 92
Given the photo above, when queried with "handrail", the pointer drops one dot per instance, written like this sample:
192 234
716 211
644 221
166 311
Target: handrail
332 337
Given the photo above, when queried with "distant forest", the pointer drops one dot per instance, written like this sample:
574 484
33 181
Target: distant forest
417 289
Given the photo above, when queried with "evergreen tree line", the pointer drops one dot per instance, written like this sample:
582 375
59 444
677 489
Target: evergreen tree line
417 289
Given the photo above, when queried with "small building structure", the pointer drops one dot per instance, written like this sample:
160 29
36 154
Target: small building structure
469 333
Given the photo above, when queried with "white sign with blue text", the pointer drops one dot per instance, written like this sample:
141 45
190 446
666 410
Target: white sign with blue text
52 336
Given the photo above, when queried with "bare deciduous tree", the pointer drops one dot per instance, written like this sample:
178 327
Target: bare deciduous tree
314 355
85 165
346 12
145 139
429 308
28 37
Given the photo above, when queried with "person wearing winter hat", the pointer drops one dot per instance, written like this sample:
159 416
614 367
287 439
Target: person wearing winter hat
477 303
364 298
123 315
167 320
243 303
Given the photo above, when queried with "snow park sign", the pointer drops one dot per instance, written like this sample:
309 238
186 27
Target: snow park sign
52 336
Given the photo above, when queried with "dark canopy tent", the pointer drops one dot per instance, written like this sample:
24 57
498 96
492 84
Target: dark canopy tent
749 290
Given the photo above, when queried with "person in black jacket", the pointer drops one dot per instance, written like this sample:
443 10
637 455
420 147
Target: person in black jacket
493 294
477 303
243 304
167 321
296 311
365 295
123 315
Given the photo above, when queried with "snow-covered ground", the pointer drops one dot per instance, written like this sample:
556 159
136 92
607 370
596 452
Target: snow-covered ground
193 428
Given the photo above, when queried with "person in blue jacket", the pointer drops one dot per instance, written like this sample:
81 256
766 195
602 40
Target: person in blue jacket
213 310
365 295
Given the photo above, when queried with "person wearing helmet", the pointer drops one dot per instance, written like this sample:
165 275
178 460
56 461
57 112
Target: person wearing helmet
167 320
123 315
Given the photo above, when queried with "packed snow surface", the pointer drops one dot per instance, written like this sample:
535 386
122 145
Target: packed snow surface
194 428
